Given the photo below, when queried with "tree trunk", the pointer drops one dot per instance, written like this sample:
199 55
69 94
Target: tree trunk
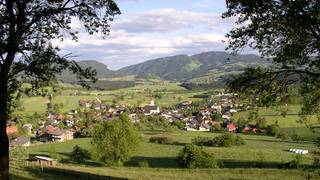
4 142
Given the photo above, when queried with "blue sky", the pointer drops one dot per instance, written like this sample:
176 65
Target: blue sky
149 29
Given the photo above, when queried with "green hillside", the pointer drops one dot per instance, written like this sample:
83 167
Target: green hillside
183 67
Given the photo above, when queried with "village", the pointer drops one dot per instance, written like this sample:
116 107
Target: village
214 116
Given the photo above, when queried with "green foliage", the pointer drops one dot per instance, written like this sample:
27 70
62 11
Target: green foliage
161 140
18 156
179 124
79 155
192 156
295 163
287 31
283 136
114 141
155 122
216 128
144 163
224 140
272 130
216 117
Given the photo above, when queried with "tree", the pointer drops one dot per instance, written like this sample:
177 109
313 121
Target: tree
114 141
288 31
79 155
192 156
26 28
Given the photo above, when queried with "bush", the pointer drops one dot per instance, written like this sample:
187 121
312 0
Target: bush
295 164
161 140
283 136
225 140
79 155
296 137
144 163
178 124
272 130
216 128
192 156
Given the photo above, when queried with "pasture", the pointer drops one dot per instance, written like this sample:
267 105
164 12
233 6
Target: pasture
238 162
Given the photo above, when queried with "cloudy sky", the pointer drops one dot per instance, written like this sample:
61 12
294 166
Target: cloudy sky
149 29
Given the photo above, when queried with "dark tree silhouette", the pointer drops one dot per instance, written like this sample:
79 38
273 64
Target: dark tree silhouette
26 28
288 31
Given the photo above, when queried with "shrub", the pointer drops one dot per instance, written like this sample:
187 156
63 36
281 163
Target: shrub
225 140
295 164
296 137
79 155
216 128
283 136
161 140
178 124
272 130
144 163
192 156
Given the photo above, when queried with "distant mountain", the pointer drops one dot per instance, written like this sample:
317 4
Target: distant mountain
183 67
102 71
205 68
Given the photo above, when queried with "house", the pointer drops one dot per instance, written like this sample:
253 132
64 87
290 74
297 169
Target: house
21 141
56 134
250 128
12 130
231 127
151 109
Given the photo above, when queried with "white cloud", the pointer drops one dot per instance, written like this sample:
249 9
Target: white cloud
169 20
141 36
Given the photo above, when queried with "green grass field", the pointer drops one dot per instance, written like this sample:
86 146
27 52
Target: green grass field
289 124
140 95
238 161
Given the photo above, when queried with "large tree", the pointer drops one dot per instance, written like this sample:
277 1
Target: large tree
114 141
288 32
26 28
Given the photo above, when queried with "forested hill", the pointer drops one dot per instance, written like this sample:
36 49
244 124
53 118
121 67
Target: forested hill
183 67
180 68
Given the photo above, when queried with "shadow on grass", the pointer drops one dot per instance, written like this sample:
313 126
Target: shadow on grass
154 162
170 162
88 163
228 163
281 141
63 174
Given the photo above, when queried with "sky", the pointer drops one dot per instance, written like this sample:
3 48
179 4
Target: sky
150 29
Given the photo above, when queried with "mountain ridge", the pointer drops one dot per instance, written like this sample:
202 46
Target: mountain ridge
180 68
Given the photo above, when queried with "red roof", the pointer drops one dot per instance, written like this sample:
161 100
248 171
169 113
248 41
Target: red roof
231 127
12 129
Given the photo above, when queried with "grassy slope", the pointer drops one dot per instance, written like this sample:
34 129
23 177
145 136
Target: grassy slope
288 123
162 162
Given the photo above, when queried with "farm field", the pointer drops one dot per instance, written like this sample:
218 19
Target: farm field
238 161
289 123
171 94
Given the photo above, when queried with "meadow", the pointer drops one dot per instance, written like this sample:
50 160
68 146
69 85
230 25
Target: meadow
171 94
239 162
